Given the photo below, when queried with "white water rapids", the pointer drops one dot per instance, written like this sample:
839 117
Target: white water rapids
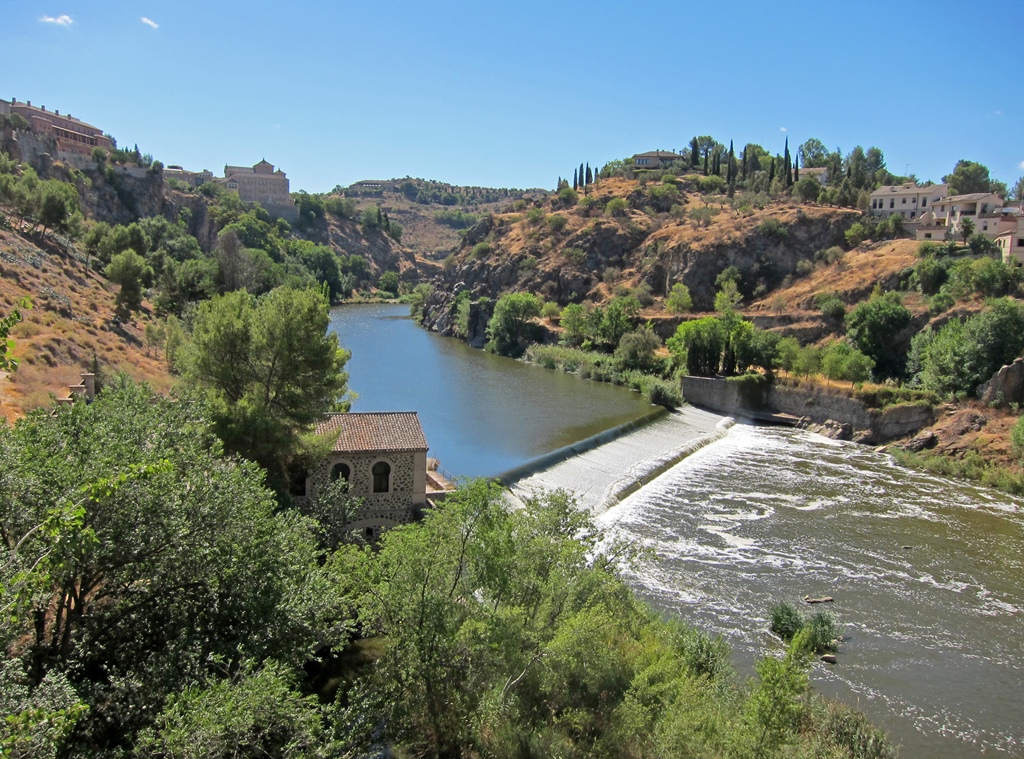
927 573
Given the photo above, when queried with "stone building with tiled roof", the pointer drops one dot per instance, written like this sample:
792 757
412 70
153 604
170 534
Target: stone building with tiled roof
383 457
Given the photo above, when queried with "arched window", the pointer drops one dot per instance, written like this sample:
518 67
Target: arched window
340 471
381 477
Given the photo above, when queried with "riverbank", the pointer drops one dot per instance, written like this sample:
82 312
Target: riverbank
965 439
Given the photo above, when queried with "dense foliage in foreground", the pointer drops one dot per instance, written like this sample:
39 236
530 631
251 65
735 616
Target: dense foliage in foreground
158 602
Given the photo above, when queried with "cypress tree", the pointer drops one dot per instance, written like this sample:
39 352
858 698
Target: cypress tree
745 151
730 171
705 164
771 174
581 175
575 180
787 165
589 177
694 153
796 169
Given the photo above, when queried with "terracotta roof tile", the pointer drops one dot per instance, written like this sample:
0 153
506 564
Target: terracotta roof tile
378 431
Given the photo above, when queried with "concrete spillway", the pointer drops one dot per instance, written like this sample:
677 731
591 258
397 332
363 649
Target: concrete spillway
602 470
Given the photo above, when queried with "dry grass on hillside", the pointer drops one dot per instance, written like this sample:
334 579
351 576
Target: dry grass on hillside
70 322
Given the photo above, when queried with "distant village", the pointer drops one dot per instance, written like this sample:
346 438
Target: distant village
928 212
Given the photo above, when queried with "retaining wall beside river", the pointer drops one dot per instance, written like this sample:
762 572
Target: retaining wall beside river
813 404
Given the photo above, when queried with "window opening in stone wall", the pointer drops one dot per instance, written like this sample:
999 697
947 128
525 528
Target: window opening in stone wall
381 477
341 471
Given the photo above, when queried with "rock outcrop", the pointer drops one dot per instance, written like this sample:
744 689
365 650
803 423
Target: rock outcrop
1005 387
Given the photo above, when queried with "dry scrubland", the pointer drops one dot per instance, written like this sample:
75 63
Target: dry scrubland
71 322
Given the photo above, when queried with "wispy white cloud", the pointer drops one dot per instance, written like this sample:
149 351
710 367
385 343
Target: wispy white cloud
150 22
1021 165
61 20
783 129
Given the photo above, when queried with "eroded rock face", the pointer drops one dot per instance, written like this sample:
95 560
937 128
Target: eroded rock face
1005 387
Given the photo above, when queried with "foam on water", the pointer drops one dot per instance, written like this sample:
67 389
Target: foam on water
927 574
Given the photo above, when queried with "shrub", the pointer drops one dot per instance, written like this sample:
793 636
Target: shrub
1017 438
557 222
815 634
940 303
804 267
833 255
711 185
550 310
481 250
830 305
568 197
773 229
616 207
535 215
785 621
856 234
577 255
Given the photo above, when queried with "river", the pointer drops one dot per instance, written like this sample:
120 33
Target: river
927 573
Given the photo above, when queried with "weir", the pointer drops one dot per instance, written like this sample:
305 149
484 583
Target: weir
607 467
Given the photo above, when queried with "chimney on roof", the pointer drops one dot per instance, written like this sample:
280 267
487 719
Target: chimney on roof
56 112
28 103
42 107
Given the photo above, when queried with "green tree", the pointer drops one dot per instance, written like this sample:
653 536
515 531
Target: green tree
8 363
841 361
618 319
574 324
271 369
636 350
966 229
807 189
255 713
511 327
698 345
968 177
813 153
679 300
873 326
128 270
160 557
388 282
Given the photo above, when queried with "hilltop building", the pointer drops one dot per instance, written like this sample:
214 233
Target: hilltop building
383 458
906 200
262 184
191 178
654 158
72 135
819 173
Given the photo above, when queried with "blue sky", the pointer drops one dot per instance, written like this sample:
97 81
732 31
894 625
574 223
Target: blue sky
516 94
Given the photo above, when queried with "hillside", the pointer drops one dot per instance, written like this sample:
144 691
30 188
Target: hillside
434 215
582 251
70 324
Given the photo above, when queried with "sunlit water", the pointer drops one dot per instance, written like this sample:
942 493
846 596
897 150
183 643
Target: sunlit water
927 573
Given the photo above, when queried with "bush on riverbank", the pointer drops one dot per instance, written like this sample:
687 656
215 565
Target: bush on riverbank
602 368
973 466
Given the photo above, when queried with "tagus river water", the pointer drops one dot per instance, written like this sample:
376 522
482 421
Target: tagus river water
927 573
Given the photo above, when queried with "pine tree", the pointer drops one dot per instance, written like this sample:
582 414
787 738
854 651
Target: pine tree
575 180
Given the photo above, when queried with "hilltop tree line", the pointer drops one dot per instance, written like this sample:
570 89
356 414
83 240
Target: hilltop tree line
851 177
